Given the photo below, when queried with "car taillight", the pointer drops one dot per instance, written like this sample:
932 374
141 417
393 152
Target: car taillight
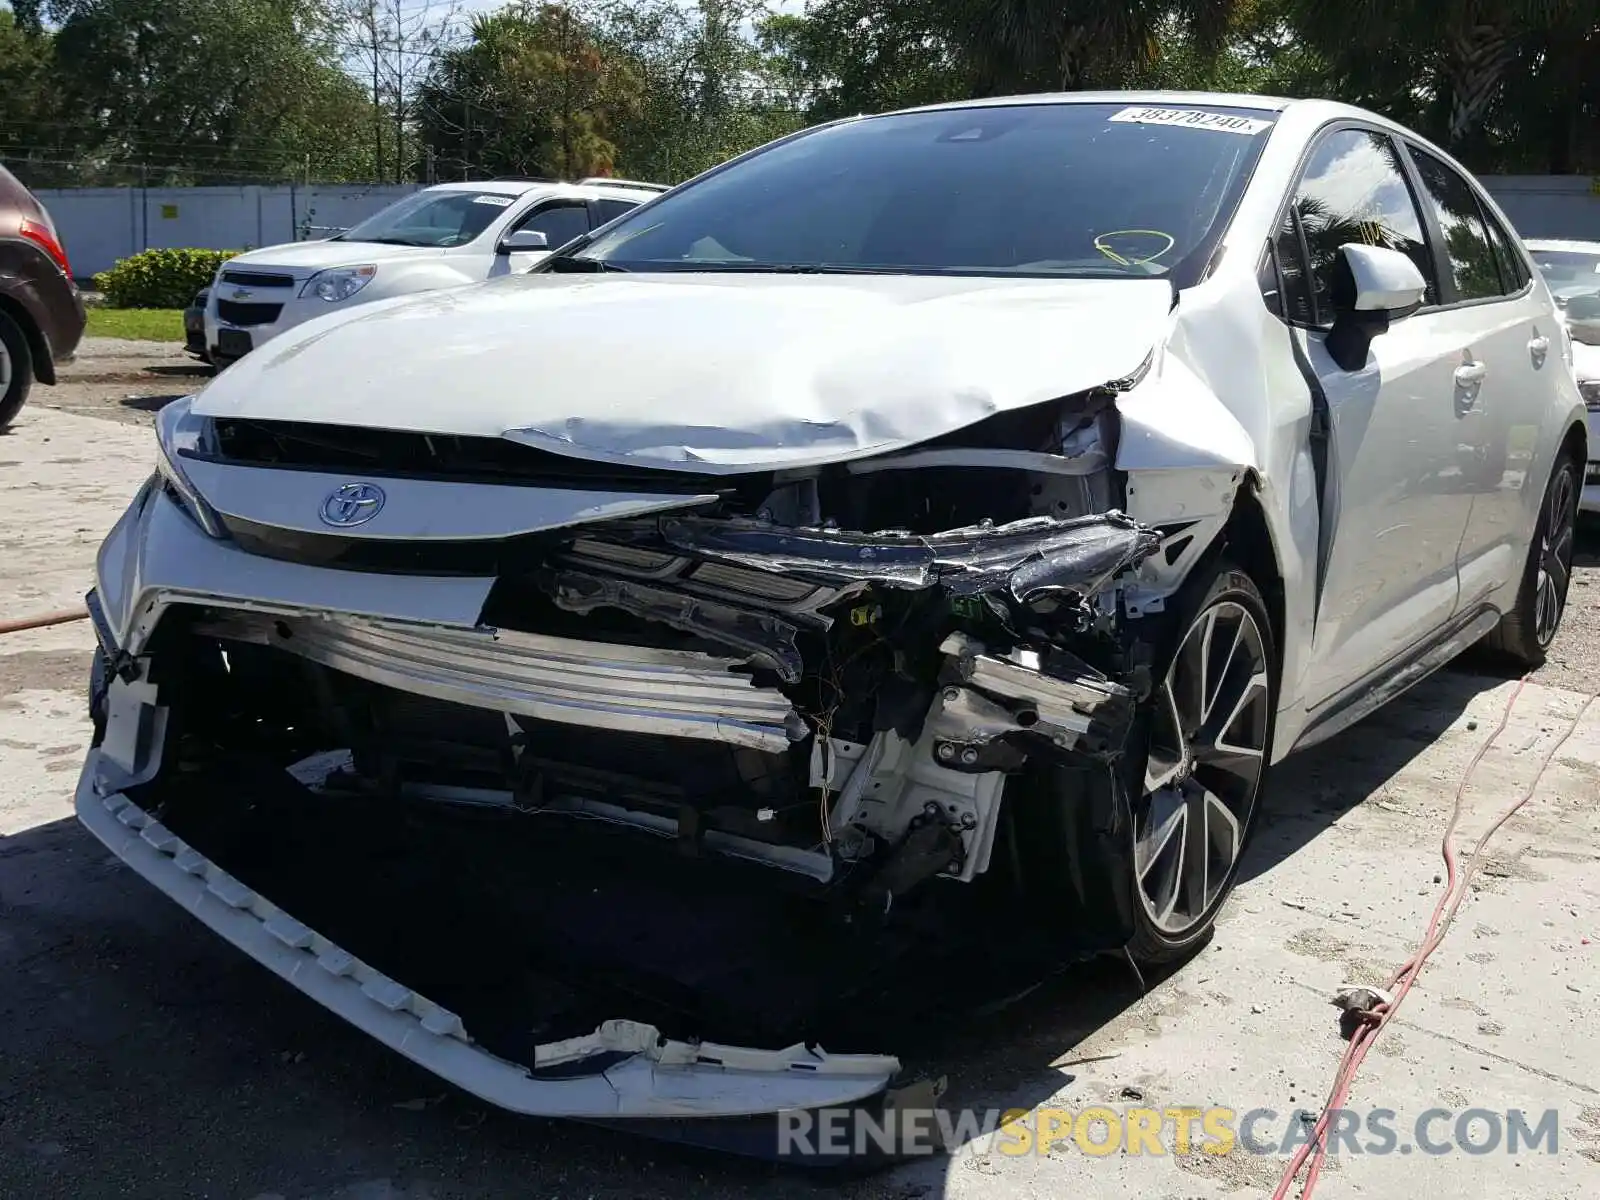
45 238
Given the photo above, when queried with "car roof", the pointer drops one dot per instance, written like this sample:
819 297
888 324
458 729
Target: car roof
1215 99
1562 244
1307 114
521 187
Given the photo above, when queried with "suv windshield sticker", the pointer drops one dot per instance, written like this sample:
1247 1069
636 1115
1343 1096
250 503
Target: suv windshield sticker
497 201
1193 119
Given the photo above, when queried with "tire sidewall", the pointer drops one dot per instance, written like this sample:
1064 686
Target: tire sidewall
1541 529
21 355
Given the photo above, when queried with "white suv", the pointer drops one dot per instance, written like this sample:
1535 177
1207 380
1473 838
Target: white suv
440 237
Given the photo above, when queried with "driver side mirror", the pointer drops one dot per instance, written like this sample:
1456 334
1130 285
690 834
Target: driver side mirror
521 241
1372 286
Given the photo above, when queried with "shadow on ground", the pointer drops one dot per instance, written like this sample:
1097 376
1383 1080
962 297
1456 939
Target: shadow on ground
149 404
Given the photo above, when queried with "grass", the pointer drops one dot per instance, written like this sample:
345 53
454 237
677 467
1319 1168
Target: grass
143 324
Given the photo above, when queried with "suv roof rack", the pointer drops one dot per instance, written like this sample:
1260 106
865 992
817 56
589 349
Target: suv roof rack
603 180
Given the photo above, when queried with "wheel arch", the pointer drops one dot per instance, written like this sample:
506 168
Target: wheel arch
1576 442
44 368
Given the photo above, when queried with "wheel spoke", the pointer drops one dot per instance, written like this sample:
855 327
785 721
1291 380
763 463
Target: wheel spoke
1214 692
1226 837
1557 572
1164 761
1167 816
1187 678
1196 851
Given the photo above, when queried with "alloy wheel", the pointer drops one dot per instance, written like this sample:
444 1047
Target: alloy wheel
1208 743
1554 571
5 370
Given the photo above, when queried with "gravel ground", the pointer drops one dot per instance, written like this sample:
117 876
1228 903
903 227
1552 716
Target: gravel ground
141 1056
120 380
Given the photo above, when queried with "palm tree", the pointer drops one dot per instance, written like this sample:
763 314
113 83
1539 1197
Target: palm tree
1460 52
1066 45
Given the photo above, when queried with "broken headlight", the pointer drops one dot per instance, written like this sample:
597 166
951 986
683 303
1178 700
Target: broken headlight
179 430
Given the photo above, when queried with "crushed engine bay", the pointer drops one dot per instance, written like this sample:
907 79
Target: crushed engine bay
715 767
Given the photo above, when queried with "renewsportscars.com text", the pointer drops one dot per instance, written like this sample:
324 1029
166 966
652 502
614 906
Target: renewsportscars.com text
1103 1130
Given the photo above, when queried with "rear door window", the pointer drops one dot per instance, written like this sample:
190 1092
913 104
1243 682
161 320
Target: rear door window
609 210
559 223
1473 266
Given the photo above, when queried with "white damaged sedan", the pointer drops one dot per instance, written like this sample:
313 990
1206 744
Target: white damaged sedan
907 546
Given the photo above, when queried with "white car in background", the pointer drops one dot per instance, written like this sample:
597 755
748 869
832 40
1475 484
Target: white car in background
440 237
1572 271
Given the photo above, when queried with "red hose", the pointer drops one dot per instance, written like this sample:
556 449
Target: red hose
40 622
1444 913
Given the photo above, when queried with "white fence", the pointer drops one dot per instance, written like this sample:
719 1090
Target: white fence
1549 206
101 225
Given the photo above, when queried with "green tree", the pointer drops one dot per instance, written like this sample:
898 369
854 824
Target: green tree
1459 59
27 75
196 90
533 93
708 90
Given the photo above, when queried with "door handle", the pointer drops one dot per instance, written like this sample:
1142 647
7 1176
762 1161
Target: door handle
1538 347
1470 375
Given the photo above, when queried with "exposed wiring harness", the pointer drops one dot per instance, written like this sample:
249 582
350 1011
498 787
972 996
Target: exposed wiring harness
1370 1022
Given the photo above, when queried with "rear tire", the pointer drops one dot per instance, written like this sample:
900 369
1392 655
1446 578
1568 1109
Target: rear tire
1200 763
1524 634
16 370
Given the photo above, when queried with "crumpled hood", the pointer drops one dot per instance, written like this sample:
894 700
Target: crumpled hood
717 373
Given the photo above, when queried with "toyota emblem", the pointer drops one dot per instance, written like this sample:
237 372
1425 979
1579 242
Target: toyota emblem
352 504
241 293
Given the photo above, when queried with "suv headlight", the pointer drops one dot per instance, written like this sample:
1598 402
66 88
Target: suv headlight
338 283
178 429
1589 389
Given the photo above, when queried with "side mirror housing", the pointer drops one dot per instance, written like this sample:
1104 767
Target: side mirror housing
1372 287
522 241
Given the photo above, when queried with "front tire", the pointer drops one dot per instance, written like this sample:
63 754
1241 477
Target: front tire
1525 633
16 370
1197 777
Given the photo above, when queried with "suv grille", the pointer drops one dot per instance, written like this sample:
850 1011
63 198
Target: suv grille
256 279
236 313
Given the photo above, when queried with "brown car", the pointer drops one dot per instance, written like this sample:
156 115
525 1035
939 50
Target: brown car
41 312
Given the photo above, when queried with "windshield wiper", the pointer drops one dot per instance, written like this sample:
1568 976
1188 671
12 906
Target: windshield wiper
575 266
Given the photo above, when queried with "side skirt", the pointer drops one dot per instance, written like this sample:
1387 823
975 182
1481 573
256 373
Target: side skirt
1363 698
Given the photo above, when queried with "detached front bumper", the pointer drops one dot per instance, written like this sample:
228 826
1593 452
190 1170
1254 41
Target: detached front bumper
653 1078
156 556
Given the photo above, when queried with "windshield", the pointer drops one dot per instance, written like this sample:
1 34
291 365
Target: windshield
1568 266
1040 189
431 219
